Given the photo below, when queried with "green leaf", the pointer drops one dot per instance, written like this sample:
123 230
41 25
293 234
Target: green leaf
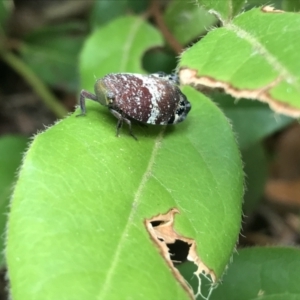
186 269
117 47
11 149
105 11
250 58
225 10
138 6
291 5
52 53
187 21
262 273
256 172
252 121
5 10
76 228
159 59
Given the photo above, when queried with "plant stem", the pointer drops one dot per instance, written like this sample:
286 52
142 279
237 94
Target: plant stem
38 86
157 15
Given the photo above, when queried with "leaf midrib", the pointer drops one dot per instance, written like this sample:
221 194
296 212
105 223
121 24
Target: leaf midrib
136 200
270 58
129 42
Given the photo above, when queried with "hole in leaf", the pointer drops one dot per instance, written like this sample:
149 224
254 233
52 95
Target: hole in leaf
176 249
156 223
179 251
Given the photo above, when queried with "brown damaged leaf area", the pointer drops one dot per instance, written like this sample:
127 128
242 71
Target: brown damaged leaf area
270 9
176 248
190 77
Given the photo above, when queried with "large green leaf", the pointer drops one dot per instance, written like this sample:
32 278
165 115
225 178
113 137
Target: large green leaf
117 47
262 273
187 21
224 9
11 149
254 56
76 228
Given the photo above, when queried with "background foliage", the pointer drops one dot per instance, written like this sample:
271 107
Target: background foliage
82 195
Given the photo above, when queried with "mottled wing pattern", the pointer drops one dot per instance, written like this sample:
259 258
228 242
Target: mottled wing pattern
149 99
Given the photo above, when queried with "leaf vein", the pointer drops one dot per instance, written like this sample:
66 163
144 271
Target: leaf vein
129 43
270 58
136 200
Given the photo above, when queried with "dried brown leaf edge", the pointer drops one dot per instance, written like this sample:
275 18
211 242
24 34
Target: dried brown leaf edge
162 233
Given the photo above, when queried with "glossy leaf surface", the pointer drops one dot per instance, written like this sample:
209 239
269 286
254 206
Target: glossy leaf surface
247 59
85 216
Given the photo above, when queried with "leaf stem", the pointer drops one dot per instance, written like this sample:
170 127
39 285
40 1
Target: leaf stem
171 40
38 86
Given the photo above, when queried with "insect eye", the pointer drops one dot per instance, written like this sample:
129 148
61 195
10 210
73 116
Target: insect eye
110 97
174 77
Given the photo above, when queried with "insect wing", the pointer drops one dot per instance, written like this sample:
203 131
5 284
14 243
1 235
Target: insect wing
148 99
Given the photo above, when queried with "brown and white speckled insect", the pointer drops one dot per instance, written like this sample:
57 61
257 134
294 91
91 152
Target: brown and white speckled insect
151 99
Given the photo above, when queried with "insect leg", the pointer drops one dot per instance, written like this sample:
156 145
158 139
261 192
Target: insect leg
130 128
120 122
83 95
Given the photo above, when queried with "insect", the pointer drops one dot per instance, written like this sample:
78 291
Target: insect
151 99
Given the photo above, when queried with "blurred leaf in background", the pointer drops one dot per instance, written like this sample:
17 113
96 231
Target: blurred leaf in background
188 21
11 152
78 179
53 52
